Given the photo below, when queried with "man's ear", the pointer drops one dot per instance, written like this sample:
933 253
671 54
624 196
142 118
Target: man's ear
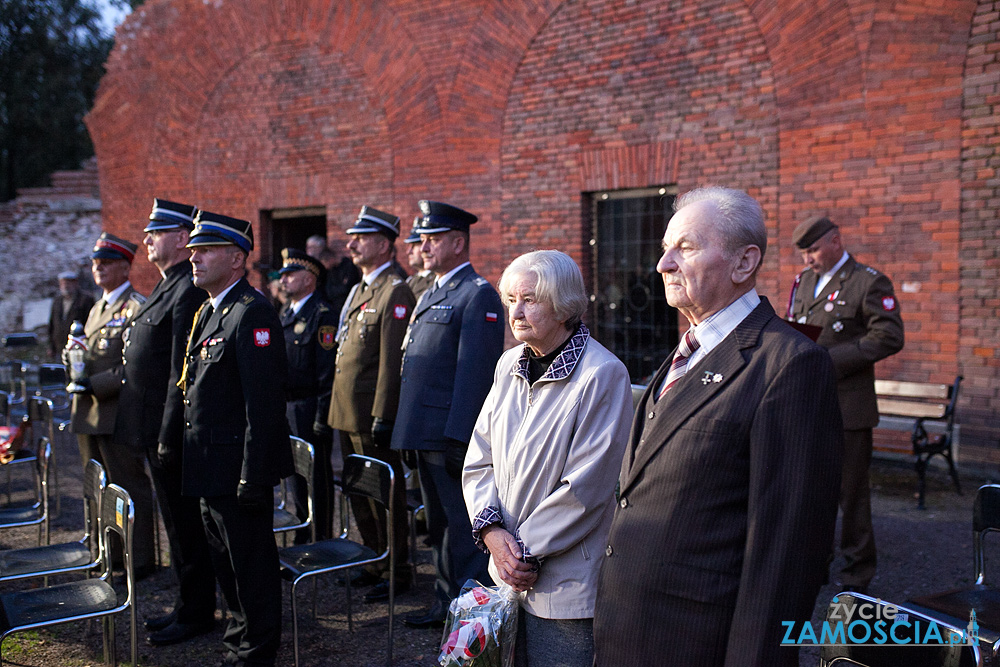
747 261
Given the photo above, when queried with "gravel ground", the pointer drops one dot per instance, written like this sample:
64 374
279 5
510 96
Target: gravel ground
920 551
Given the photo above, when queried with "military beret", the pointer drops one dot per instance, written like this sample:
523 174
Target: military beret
439 217
215 229
810 230
373 220
170 215
110 246
297 260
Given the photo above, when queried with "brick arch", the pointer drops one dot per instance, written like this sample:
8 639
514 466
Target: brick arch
172 57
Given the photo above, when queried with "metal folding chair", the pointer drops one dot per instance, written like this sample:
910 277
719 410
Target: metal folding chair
365 479
35 512
87 598
285 517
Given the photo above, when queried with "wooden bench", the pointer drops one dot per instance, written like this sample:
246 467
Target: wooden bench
922 409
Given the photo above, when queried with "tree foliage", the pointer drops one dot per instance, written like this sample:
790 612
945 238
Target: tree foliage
52 55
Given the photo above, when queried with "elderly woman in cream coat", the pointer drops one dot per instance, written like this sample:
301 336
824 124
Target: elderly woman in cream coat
541 469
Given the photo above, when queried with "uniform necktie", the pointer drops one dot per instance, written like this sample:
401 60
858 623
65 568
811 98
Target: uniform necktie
679 365
201 316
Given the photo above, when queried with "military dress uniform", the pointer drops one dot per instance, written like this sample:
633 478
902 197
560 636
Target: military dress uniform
859 315
419 283
93 414
450 351
236 435
311 348
366 387
151 412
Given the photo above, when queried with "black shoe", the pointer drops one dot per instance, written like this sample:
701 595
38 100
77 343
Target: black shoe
431 619
380 593
365 578
175 633
159 622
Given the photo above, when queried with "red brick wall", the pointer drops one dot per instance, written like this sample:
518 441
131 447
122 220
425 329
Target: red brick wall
873 112
979 256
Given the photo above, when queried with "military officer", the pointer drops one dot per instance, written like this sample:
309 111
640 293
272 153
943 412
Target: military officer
236 445
310 326
859 315
151 414
366 384
451 348
94 410
421 278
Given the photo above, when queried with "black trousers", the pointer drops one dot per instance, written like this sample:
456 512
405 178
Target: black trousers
189 553
246 564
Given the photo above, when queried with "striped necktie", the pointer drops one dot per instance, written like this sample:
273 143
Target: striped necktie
679 365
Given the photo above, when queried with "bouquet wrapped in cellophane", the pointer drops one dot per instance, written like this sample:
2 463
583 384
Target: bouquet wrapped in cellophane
481 627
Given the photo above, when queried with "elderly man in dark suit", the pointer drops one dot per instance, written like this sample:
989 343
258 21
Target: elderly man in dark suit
151 413
236 446
728 488
95 408
857 310
449 354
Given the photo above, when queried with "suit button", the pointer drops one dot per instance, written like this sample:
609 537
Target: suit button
608 551
187 402
624 503
652 414
411 340
188 425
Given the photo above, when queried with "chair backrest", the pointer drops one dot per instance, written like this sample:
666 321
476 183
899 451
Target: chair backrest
14 374
51 377
985 518
40 413
118 517
94 482
368 477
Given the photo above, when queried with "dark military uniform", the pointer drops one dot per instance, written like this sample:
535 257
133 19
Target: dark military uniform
340 278
61 318
366 386
311 350
94 414
151 412
861 324
235 429
451 349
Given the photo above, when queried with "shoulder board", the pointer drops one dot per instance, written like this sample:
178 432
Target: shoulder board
323 308
397 281
871 270
137 298
479 280
247 299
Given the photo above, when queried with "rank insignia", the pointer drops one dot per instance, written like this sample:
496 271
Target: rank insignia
327 337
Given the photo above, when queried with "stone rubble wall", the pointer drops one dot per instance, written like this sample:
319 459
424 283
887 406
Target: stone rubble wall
43 232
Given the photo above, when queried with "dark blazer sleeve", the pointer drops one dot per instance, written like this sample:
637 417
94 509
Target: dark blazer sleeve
182 319
394 325
794 477
883 331
479 347
262 371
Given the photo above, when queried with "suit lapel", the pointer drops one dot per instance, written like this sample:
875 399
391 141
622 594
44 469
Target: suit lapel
427 299
95 323
696 388
214 322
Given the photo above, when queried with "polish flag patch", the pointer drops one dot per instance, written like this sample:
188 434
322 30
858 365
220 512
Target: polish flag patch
261 337
491 317
399 312
888 303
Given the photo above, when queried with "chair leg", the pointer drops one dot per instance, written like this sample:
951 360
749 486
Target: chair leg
315 589
347 586
295 623
953 471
